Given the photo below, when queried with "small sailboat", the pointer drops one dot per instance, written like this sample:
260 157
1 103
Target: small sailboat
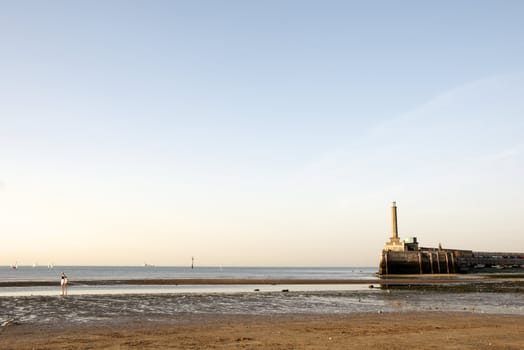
15 266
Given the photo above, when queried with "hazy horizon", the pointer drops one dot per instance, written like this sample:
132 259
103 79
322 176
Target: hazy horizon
259 133
188 266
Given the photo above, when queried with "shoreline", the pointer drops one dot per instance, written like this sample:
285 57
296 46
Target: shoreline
390 281
392 330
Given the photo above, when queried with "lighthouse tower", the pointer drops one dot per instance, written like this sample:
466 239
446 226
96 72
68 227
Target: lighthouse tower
395 244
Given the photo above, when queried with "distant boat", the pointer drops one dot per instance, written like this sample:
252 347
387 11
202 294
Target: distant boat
50 265
15 266
148 265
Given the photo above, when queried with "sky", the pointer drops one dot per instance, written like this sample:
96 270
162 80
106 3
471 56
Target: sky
258 133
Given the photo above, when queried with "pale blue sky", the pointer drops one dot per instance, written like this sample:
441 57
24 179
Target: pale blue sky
258 132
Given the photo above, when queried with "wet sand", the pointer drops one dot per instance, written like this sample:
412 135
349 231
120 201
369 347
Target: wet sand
416 330
401 280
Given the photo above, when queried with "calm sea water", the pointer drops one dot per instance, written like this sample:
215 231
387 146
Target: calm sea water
82 273
41 273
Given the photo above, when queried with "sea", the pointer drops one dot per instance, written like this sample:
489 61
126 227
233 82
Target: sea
172 303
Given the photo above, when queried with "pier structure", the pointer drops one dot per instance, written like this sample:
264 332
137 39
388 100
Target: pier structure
406 257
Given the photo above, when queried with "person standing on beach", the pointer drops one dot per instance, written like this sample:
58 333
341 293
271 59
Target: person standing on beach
63 283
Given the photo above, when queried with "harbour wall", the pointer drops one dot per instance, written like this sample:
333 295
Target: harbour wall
448 261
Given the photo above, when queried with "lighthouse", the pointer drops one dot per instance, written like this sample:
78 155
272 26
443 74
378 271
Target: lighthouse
394 225
394 244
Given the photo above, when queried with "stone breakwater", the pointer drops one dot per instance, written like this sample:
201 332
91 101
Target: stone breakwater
448 261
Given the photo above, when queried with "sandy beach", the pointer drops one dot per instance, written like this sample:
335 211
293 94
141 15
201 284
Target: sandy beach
414 330
441 312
